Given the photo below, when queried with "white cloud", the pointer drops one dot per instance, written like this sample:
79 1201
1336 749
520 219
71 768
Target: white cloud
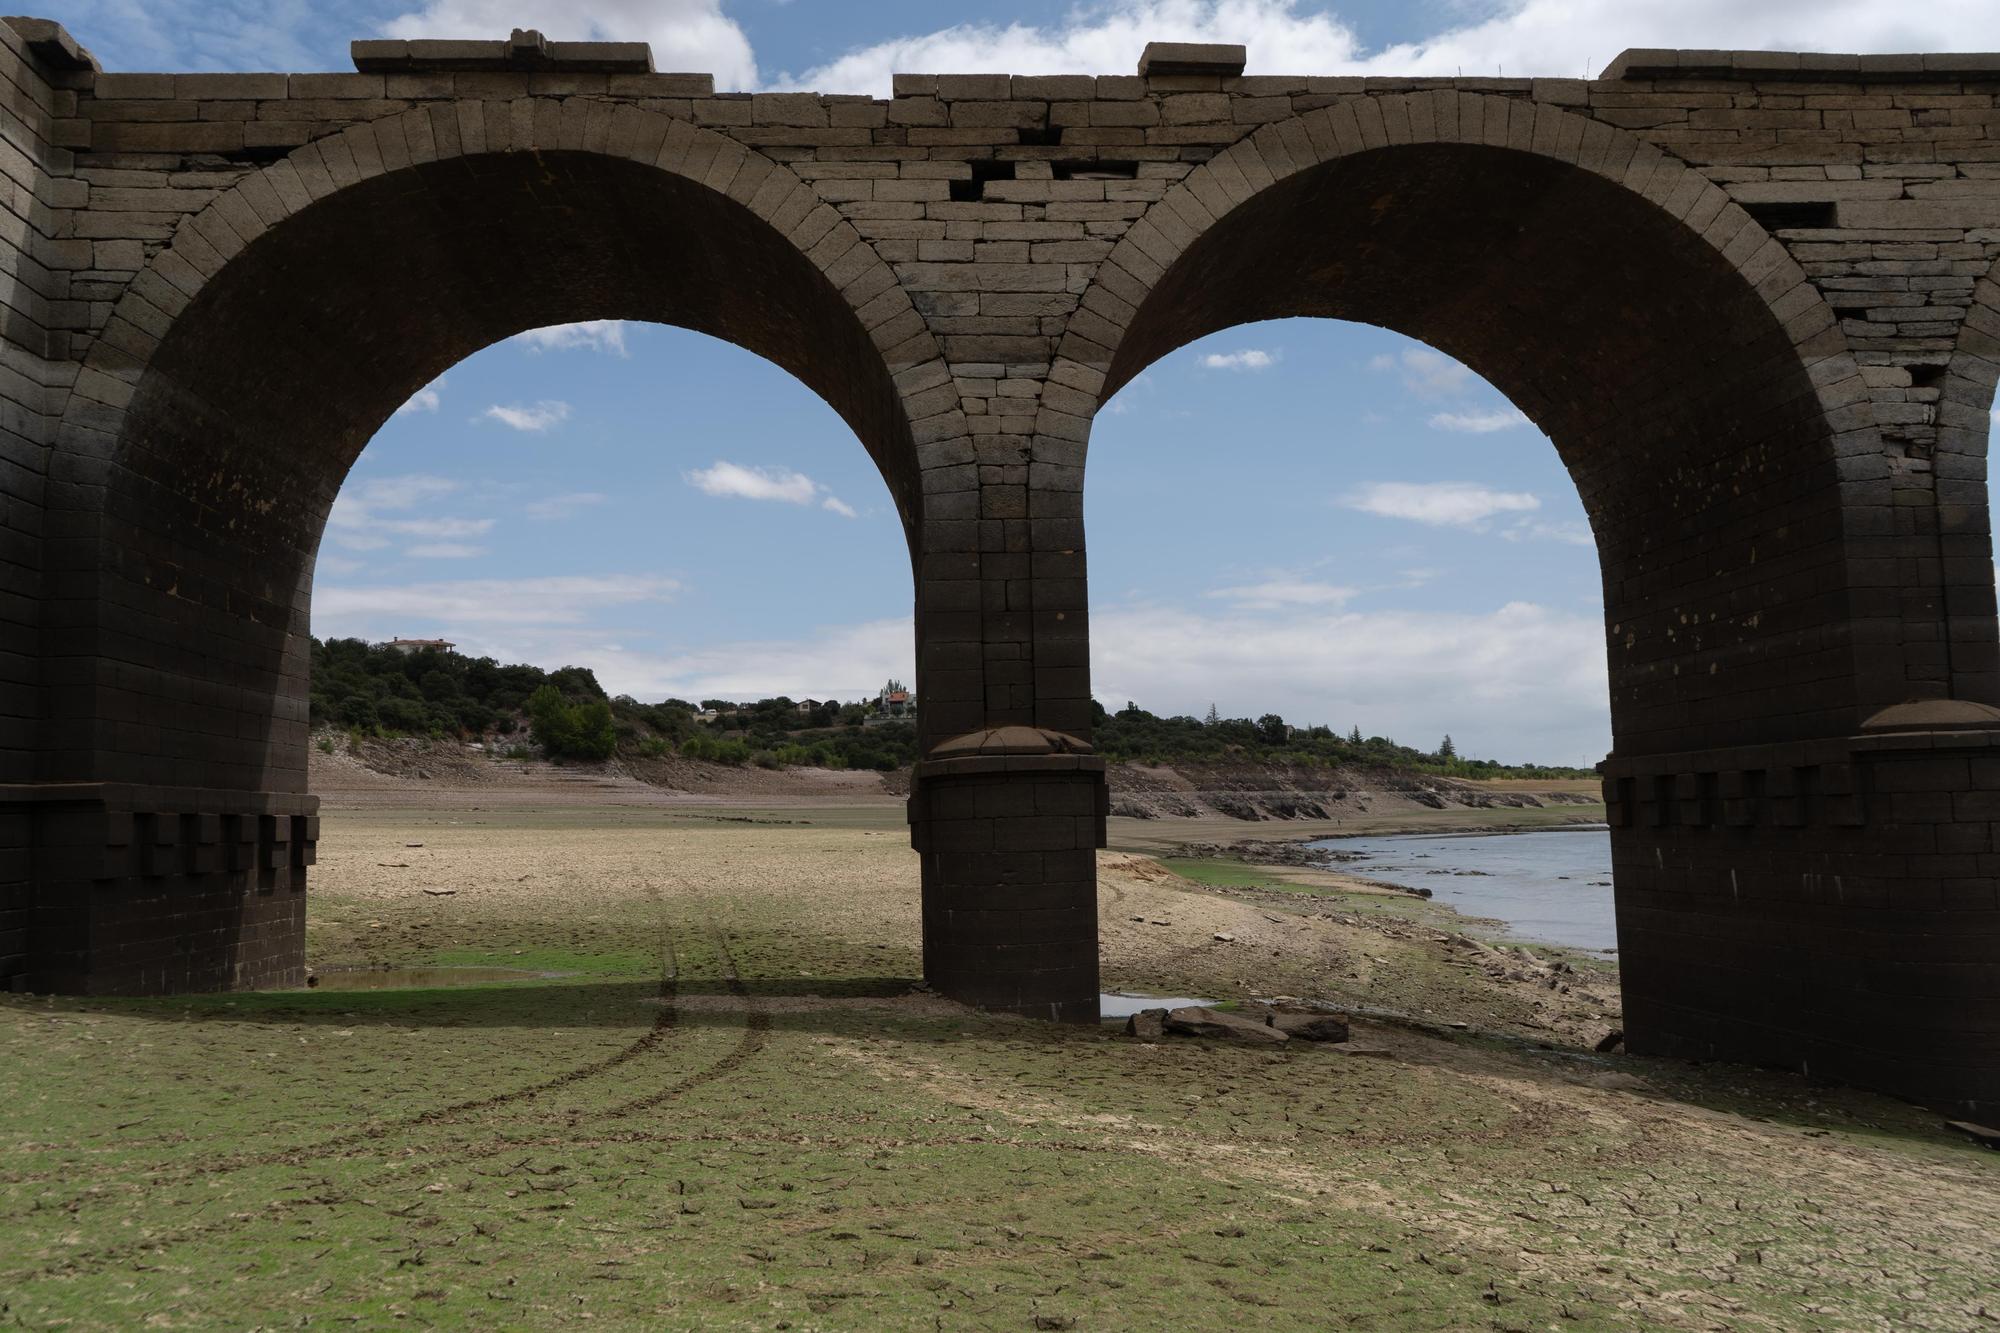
444 551
1480 423
592 335
1570 534
359 519
692 36
441 528
425 399
1425 373
1098 39
1251 358
1278 594
563 506
754 483
781 484
536 417
841 662
563 600
1578 38
1519 683
1559 37
1450 504
197 34
1568 38
400 492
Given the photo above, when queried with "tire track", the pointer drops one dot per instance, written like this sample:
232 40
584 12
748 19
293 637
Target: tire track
662 1026
756 1033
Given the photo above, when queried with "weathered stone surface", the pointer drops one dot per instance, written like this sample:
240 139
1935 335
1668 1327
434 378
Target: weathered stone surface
1169 58
1311 1026
1752 297
1147 1024
1194 1021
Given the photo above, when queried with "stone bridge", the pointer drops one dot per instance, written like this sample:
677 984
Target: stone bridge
1750 296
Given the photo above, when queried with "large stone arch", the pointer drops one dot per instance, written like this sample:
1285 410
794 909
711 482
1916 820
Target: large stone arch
1965 400
1656 320
1774 689
274 278
243 371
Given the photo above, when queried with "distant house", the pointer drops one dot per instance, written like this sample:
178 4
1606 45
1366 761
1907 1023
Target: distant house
894 701
808 706
706 715
421 645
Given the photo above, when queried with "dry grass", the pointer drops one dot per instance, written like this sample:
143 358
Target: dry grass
733 1112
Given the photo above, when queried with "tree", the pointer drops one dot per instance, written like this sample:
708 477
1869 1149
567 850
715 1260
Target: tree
1271 729
572 731
552 719
1446 750
576 680
1213 718
1354 736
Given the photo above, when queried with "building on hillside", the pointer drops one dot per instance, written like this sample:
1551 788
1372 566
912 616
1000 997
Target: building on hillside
808 706
421 645
893 703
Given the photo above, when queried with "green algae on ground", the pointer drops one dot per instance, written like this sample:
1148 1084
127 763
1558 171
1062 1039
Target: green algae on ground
737 1114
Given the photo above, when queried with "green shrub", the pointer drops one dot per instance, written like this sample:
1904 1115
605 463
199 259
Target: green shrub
571 731
715 751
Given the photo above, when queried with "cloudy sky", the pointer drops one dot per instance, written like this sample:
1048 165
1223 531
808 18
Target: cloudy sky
1320 519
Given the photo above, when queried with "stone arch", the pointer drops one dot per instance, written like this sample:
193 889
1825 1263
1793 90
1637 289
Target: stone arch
253 357
1964 424
1699 386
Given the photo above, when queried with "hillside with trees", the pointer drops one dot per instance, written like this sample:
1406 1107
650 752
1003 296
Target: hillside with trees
375 690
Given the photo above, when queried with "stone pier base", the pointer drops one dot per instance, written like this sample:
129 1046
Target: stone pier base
1009 846
139 891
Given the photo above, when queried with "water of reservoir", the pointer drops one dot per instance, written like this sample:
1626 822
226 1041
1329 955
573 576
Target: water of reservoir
1117 1004
1550 886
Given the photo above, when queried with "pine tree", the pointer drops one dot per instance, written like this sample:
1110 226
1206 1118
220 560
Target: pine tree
1446 750
1354 736
1213 717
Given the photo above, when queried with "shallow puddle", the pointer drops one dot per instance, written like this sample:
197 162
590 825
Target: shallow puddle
414 978
1113 1004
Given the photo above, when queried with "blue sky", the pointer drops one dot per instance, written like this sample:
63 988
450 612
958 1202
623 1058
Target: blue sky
1315 518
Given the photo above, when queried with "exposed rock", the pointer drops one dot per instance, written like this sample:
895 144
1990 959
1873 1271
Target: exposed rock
1360 1048
1311 1026
1981 1133
1147 1024
1192 1021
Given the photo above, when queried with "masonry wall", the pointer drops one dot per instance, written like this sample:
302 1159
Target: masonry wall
996 201
37 314
1006 247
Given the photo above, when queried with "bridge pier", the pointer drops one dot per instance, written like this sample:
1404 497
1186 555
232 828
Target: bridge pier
1008 822
1826 907
143 891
